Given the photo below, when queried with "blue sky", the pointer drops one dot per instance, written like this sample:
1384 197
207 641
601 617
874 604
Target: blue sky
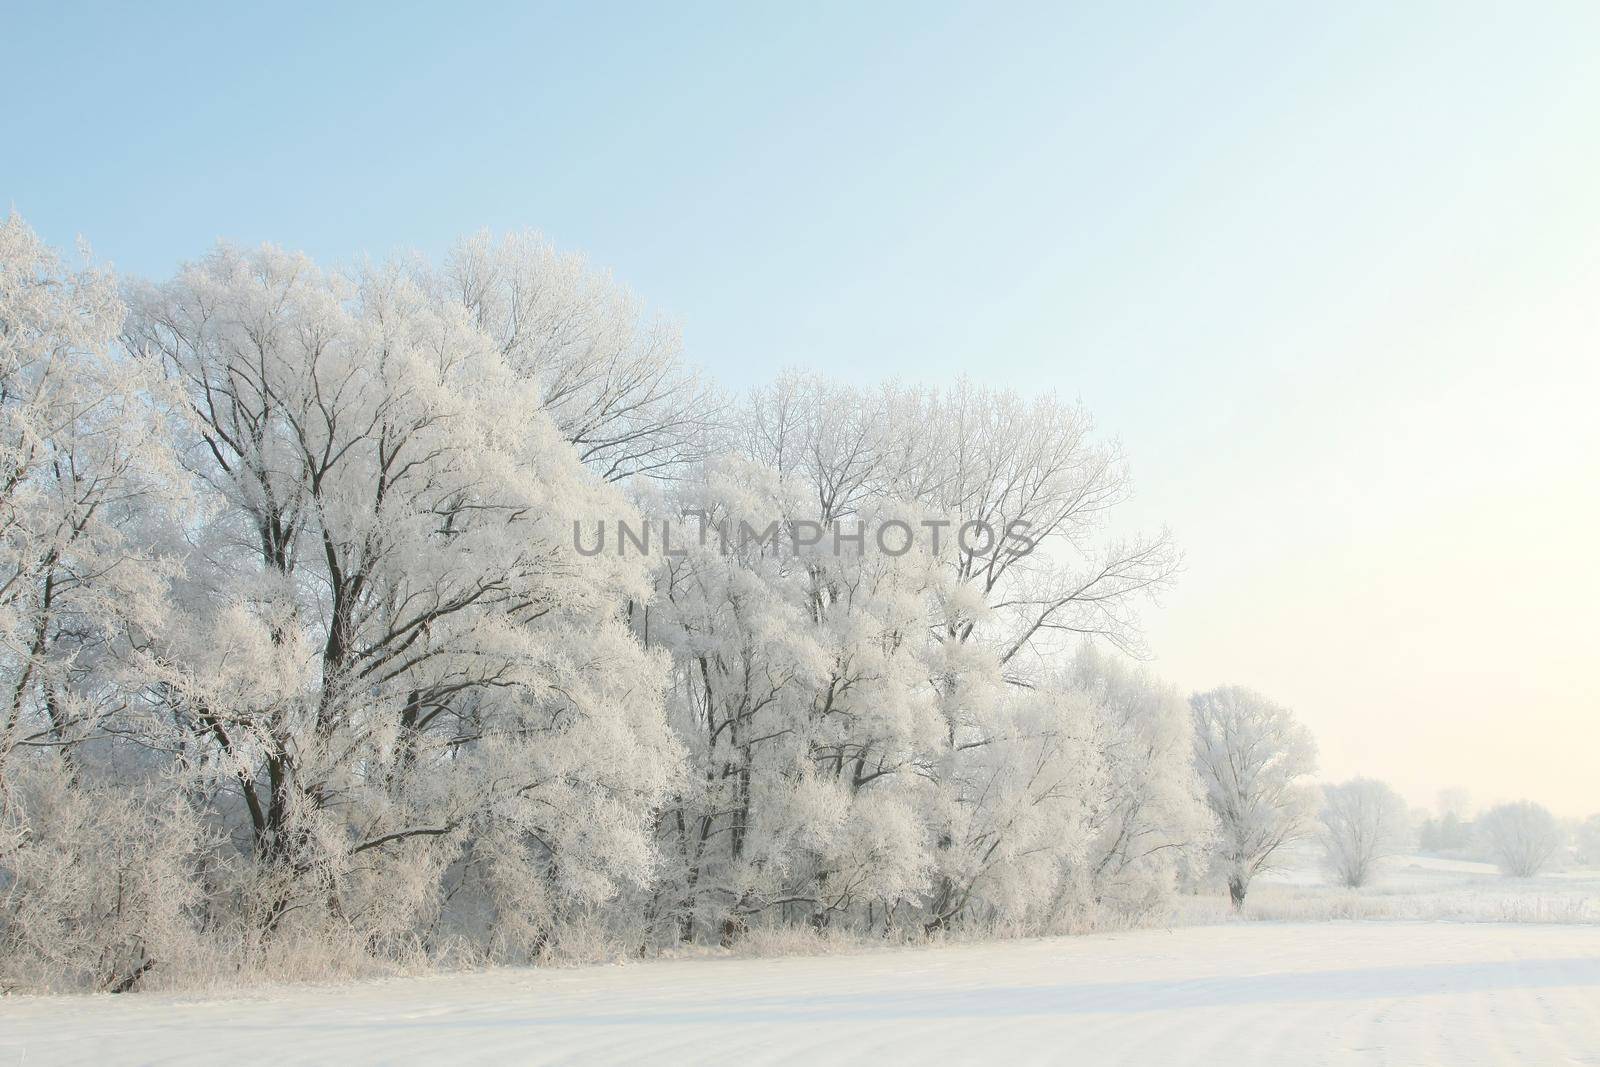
1329 271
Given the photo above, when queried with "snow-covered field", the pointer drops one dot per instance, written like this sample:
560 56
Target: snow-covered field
1237 994
1408 887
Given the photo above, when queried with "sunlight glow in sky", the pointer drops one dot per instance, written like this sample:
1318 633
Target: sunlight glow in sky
1330 272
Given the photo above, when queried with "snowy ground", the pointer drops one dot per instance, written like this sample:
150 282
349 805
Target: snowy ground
1237 994
1212 990
1409 887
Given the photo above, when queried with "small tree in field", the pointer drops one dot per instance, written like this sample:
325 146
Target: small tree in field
1251 754
1521 837
1363 822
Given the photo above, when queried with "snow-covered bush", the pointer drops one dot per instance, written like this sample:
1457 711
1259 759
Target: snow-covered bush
1364 821
1521 838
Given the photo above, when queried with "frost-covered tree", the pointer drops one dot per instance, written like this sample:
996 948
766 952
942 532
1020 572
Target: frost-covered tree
1149 821
92 878
1252 756
611 379
910 700
1020 489
83 472
1521 838
798 702
1364 821
392 663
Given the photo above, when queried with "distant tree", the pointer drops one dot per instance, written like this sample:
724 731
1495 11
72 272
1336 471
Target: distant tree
1521 838
1455 833
1363 822
1588 841
1251 755
1446 833
1453 828
1455 801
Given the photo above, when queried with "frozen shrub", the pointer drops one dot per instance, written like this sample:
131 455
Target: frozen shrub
1363 822
1521 838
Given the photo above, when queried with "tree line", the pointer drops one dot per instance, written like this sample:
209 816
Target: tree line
302 668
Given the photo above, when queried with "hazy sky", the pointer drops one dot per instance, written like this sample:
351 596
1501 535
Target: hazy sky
1331 272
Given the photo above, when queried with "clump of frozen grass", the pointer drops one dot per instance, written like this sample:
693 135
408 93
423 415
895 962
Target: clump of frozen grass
778 940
